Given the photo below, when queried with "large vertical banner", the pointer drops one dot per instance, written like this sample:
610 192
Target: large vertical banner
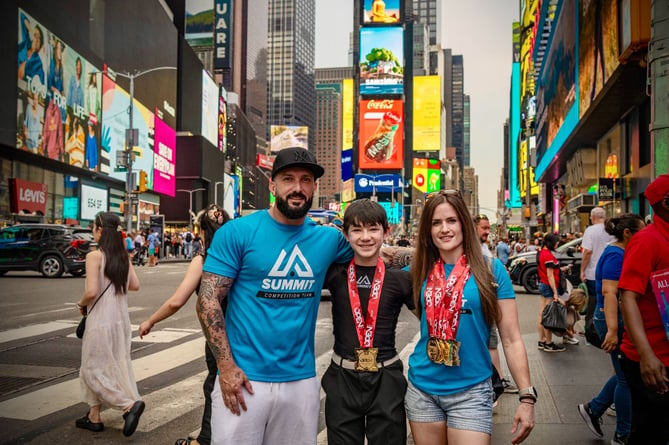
115 122
426 113
598 48
164 158
347 114
210 109
199 23
223 34
58 106
382 60
222 121
381 134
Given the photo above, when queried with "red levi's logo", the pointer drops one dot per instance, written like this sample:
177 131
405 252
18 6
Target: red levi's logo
27 197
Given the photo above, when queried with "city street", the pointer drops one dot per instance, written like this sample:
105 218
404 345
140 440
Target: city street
40 355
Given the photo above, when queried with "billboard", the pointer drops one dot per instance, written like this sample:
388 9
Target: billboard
384 183
393 211
380 11
199 23
223 34
347 164
598 48
210 108
164 158
58 106
426 113
93 200
115 122
222 122
347 114
286 136
381 134
427 175
382 60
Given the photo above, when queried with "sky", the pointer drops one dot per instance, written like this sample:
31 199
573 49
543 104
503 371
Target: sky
484 40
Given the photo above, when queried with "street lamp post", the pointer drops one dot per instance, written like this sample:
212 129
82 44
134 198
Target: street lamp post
216 191
190 205
130 138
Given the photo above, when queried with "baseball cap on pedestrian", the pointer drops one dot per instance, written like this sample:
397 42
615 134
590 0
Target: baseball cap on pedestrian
296 157
657 189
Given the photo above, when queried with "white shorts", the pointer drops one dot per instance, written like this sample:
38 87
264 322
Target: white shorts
277 414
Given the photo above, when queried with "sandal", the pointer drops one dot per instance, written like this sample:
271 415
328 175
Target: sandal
186 441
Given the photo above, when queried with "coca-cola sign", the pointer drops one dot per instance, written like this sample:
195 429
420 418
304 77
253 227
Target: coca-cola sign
381 134
27 197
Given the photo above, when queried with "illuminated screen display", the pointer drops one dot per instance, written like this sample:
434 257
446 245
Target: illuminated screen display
381 60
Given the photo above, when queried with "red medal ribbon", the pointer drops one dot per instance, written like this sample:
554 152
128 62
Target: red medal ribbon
366 326
443 299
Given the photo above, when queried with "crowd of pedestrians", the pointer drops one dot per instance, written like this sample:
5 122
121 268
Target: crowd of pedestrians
259 281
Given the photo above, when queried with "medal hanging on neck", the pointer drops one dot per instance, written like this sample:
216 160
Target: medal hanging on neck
365 355
443 301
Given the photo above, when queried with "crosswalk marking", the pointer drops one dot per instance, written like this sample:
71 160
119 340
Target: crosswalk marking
35 330
57 397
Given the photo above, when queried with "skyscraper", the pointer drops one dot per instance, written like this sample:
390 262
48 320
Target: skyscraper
467 132
427 12
291 28
458 107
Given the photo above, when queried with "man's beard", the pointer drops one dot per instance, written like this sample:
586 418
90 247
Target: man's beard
293 212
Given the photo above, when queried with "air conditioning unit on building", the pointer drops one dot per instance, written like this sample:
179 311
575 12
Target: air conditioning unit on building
582 203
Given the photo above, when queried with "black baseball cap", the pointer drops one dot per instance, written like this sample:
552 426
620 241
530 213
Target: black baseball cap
296 157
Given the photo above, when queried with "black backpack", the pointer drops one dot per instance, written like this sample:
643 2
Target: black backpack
189 237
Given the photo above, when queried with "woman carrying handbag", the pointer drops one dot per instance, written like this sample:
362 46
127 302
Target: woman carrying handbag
106 374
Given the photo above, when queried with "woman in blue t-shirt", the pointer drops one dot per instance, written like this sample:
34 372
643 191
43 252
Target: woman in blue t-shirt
459 295
609 325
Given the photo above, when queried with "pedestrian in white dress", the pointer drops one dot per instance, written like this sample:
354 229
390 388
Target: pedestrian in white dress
106 373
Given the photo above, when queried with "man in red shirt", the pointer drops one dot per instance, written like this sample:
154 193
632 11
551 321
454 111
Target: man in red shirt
645 344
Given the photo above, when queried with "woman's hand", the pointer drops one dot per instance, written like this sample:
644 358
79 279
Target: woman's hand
523 422
83 310
610 341
145 328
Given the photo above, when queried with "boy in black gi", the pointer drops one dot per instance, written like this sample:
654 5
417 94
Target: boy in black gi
365 384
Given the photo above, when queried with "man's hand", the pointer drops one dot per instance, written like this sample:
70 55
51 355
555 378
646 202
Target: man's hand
523 422
654 374
232 380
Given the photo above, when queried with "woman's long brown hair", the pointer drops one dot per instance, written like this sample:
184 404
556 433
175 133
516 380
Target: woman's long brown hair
427 254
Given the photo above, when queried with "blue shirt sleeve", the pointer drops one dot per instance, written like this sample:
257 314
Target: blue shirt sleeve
224 255
612 266
344 251
504 286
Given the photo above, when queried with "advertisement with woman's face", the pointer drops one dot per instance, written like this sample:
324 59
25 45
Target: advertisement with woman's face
58 106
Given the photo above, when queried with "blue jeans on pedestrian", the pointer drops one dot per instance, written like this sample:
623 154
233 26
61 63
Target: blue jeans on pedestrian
616 389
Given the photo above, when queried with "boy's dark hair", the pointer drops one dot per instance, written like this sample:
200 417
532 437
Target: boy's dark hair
364 212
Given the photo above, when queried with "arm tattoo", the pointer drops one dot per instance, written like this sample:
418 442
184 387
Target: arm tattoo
213 289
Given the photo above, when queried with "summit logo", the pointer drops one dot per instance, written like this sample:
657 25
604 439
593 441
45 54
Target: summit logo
363 282
291 277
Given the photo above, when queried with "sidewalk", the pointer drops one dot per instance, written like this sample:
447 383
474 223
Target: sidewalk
563 380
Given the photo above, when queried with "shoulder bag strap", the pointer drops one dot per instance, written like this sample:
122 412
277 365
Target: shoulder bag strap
97 299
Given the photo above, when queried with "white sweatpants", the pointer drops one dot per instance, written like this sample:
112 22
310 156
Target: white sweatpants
277 414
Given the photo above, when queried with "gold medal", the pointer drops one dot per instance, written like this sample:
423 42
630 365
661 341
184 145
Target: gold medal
434 350
365 359
452 356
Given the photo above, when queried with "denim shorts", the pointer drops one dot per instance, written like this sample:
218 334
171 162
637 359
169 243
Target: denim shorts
545 290
469 410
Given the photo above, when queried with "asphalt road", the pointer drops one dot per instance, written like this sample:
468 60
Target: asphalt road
39 361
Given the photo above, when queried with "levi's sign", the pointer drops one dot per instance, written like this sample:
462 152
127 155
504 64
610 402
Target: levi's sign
27 197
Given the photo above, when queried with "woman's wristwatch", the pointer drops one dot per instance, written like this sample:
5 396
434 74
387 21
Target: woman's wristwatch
529 393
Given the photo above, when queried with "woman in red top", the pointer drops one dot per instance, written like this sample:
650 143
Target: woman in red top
549 277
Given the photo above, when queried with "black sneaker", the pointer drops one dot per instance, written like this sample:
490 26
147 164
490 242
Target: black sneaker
594 423
552 347
620 440
86 424
541 345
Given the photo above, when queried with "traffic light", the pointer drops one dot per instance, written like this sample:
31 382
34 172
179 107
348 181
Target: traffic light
142 181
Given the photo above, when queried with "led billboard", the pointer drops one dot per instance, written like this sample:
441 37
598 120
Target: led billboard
222 121
380 134
210 108
381 11
347 114
164 158
427 175
598 48
382 60
93 200
286 136
58 106
199 23
426 113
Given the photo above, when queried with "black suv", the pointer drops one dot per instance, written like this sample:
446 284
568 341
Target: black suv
523 267
47 248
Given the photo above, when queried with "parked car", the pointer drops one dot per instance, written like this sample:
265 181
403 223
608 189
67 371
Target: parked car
523 267
51 249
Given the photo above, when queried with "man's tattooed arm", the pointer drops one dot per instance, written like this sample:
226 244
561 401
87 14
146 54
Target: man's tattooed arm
213 289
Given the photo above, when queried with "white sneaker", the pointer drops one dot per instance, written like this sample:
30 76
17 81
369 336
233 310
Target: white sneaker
570 340
611 410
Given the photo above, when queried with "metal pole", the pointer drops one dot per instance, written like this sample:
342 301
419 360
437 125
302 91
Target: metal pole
658 57
129 150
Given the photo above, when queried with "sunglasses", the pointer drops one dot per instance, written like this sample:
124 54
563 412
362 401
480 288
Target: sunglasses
450 192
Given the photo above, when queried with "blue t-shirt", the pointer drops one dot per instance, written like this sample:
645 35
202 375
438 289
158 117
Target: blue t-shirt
278 272
609 267
475 365
503 251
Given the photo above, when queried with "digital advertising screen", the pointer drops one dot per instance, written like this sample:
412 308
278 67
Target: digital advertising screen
381 60
115 122
93 200
164 158
381 11
346 164
426 175
347 114
380 134
598 48
199 23
58 106
209 109
286 136
426 113
222 123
